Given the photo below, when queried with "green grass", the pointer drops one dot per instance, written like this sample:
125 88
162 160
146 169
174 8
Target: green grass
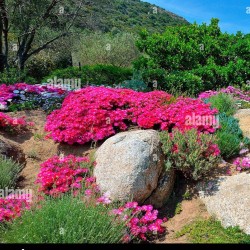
64 220
211 231
9 172
178 209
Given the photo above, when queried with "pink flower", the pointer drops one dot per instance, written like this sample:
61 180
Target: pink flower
105 199
88 192
99 112
242 164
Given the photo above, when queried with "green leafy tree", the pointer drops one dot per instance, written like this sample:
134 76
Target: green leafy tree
30 26
203 50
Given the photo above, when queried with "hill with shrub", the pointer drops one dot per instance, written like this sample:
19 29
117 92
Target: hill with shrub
129 15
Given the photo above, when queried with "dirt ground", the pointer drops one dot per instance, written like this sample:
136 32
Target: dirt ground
37 149
191 210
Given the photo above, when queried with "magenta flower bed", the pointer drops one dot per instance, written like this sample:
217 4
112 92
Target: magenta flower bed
14 123
143 224
60 175
237 93
95 113
11 207
6 92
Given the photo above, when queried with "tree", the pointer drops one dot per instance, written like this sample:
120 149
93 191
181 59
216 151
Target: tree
4 27
34 26
192 51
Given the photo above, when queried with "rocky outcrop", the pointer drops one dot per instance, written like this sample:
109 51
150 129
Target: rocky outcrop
227 198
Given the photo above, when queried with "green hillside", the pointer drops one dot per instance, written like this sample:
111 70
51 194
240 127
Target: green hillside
125 15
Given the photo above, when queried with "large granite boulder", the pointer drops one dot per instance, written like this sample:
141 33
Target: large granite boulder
227 198
130 166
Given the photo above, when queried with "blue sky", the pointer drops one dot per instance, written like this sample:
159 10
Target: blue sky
232 13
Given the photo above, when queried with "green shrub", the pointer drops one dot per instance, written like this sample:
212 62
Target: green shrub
65 220
224 103
213 58
244 104
96 75
183 152
211 231
154 75
105 48
183 82
27 105
40 65
230 137
9 172
15 76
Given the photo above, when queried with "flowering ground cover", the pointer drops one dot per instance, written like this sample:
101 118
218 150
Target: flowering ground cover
59 175
95 113
242 163
7 122
12 207
20 93
236 93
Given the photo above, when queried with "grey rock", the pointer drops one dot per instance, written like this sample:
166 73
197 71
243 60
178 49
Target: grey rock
163 191
227 198
129 165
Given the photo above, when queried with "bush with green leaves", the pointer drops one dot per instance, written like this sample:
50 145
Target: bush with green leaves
93 75
224 103
104 48
194 154
212 58
13 76
65 220
183 82
9 172
230 137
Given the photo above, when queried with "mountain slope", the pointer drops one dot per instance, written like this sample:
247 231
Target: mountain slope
126 15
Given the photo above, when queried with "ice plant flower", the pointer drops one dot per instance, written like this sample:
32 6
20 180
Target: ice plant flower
60 175
242 163
95 113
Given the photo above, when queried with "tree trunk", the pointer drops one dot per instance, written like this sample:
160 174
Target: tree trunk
4 26
1 46
21 62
